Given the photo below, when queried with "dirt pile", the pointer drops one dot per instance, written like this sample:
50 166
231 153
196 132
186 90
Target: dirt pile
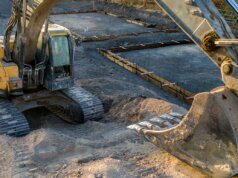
133 110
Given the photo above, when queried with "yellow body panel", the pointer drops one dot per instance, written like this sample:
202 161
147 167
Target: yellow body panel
1 52
9 77
9 72
57 30
12 39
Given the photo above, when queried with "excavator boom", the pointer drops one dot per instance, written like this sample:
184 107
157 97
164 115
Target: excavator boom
204 24
30 16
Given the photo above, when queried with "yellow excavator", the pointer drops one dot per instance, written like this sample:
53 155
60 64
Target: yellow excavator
36 70
207 136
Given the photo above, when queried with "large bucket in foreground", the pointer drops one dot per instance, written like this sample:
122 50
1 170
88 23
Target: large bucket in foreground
205 138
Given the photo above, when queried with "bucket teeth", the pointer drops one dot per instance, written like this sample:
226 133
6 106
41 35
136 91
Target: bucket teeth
135 127
161 123
146 124
177 115
204 138
150 126
168 124
157 120
171 118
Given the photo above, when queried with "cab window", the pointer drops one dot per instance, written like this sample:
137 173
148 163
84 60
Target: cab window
60 51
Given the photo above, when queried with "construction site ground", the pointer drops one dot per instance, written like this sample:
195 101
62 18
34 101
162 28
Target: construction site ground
107 148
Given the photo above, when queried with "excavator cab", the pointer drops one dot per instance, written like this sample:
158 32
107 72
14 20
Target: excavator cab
51 69
58 59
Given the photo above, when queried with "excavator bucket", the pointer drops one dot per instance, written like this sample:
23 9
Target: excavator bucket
205 138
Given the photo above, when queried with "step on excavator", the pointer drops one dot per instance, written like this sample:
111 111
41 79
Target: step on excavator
207 136
36 70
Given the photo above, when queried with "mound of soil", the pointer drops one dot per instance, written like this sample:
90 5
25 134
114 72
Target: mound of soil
136 109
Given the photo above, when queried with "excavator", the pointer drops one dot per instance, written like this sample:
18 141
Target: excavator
207 136
36 70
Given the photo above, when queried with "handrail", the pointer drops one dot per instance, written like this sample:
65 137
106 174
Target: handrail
234 4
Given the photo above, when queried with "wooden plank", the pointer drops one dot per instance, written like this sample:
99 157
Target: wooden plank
149 46
110 37
74 12
158 81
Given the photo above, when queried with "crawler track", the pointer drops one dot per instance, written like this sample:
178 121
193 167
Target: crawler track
91 105
74 105
12 122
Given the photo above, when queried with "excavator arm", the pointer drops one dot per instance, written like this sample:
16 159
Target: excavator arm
207 136
202 21
30 17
